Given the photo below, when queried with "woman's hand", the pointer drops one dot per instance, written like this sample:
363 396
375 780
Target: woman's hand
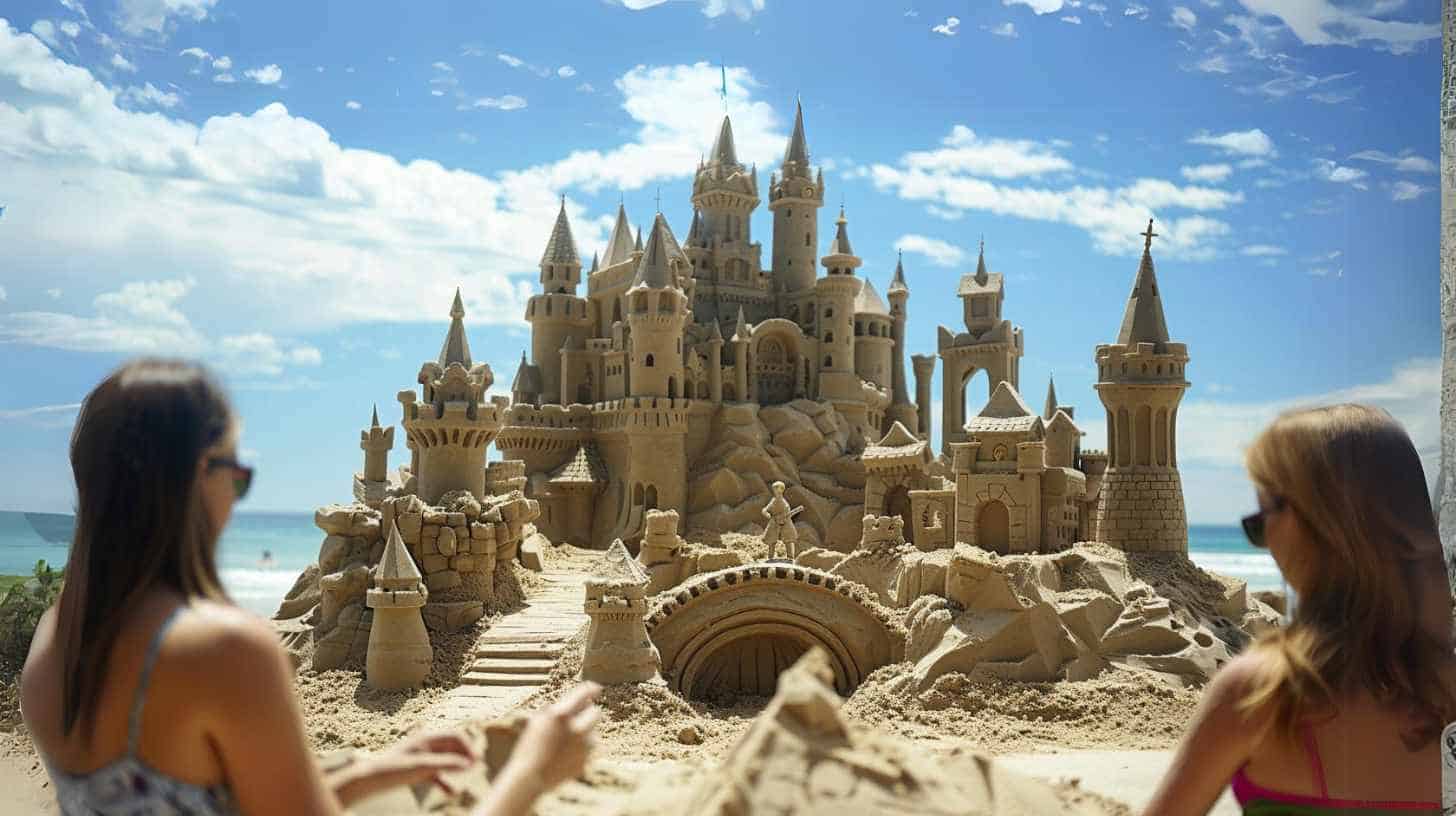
422 758
552 749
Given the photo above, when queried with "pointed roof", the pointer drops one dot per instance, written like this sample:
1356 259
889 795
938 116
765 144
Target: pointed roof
981 264
1050 410
1004 412
456 348
717 332
898 447
584 468
840 244
981 281
740 331
617 568
653 271
528 378
374 419
898 283
637 244
561 247
898 436
396 570
868 301
798 149
1143 321
594 262
619 246
695 230
723 151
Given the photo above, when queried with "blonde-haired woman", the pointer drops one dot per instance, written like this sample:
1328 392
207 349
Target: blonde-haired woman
1341 710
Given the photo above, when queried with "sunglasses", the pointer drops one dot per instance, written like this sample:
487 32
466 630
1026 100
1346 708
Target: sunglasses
1254 523
242 474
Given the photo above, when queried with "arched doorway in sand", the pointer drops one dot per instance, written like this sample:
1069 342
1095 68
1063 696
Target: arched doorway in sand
776 361
993 527
897 503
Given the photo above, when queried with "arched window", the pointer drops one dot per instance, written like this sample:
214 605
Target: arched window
806 239
648 361
828 312
829 362
829 337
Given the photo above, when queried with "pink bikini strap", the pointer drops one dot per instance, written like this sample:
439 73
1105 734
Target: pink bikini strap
1314 759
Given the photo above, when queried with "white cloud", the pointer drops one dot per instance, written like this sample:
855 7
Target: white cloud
586 87
71 29
1073 19
352 105
1289 81
225 79
46 30
938 252
1216 64
1406 162
1321 22
121 63
1332 97
1407 191
223 63
1004 30
44 416
442 66
1136 10
149 94
55 294
955 181
949 28
514 62
1325 257
1338 173
1263 250
742 9
1038 6
267 75
566 72
1240 143
195 53
509 102
1184 18
137 17
1213 173
3 295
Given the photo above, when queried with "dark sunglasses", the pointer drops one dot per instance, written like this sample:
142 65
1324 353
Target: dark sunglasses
242 474
1254 523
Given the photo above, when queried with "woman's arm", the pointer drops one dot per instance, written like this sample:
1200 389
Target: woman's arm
1218 741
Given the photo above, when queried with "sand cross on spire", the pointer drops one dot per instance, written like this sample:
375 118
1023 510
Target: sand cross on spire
1148 236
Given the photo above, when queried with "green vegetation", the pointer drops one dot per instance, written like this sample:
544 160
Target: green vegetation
26 597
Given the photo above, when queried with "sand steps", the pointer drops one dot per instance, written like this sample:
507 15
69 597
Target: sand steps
515 656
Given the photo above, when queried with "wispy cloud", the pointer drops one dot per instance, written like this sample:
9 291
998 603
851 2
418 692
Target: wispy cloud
1321 22
938 252
1184 18
509 102
1408 191
1007 30
1253 142
266 75
949 28
158 18
1406 162
121 63
1263 250
1338 173
149 95
742 9
1038 6
1213 173
1136 10
352 105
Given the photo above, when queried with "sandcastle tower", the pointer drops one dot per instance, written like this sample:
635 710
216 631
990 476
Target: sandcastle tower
1140 382
901 409
837 292
399 653
795 196
924 367
989 343
450 427
617 647
558 318
370 484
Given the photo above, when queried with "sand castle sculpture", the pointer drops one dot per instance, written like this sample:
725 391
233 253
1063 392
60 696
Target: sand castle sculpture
693 409
399 653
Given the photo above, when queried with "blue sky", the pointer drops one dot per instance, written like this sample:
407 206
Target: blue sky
293 191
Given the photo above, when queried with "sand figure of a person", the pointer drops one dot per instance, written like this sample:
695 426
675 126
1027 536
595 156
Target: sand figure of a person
781 524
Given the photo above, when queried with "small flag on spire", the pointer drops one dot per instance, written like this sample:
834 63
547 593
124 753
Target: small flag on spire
723 91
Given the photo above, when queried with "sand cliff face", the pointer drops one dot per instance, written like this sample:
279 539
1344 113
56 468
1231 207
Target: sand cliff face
804 444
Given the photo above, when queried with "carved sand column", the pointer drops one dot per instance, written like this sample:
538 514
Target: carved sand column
617 647
924 365
399 653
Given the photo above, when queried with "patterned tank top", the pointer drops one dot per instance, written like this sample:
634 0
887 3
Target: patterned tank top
130 787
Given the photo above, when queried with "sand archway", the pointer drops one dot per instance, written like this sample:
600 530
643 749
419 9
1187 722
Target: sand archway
734 630
993 527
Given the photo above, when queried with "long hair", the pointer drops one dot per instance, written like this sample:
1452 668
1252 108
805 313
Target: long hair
140 523
1354 479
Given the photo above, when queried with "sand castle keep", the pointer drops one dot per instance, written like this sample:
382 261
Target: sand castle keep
654 412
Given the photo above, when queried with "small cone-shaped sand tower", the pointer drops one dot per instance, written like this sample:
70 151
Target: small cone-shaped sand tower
617 647
399 647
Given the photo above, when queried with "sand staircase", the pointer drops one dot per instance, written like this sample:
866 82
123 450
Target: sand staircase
514 656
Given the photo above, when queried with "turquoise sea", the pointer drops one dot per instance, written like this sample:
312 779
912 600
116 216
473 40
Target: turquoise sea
294 541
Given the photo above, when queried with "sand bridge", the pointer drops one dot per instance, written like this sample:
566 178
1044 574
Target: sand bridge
734 631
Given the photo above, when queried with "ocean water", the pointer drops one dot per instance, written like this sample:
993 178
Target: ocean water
294 541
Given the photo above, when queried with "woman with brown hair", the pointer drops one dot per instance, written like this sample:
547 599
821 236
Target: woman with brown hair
147 691
1341 710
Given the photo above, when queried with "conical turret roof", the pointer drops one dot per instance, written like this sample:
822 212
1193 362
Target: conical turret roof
1143 321
617 568
981 273
868 301
695 230
717 331
740 330
594 262
798 149
374 418
724 152
456 348
561 247
1050 410
898 283
840 244
637 244
619 246
1004 412
653 271
396 570
528 378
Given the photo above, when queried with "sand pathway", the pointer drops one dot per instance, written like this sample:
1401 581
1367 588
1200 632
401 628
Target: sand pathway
514 656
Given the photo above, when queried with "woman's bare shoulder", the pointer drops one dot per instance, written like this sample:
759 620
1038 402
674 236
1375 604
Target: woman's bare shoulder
221 640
